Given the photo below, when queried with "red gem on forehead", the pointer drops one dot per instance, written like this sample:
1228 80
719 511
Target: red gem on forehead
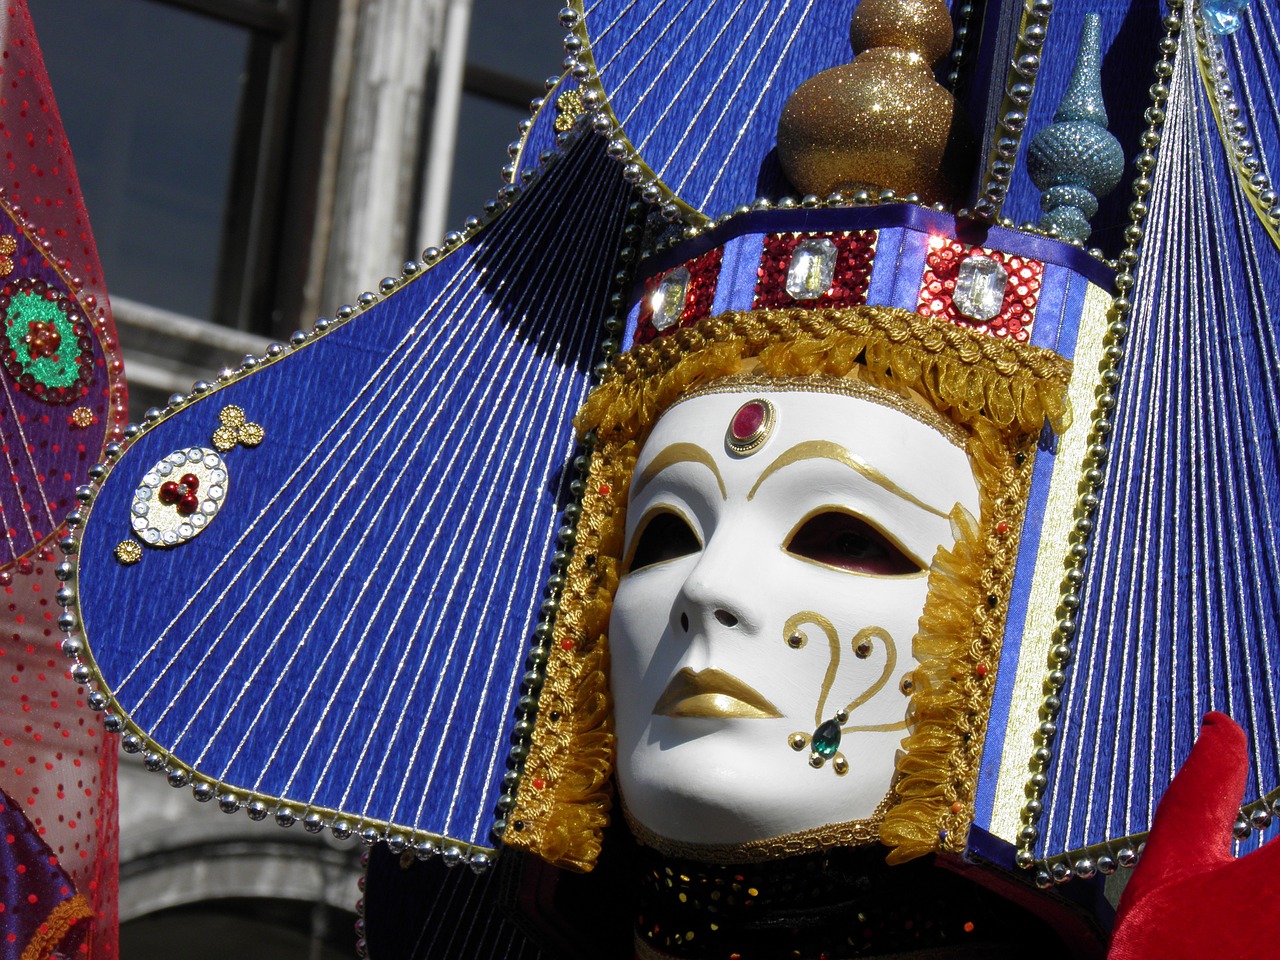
748 421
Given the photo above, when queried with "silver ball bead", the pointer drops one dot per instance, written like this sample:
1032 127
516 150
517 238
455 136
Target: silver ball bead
426 849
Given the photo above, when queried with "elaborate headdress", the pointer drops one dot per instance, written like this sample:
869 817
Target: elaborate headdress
347 598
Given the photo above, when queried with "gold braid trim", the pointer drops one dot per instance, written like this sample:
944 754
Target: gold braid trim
958 648
564 797
999 392
56 926
967 376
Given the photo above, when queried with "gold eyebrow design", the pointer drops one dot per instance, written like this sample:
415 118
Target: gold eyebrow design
826 450
679 453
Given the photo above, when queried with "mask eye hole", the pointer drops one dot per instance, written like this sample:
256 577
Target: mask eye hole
663 536
842 540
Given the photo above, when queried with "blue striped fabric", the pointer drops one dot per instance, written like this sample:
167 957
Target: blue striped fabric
349 630
1183 587
698 87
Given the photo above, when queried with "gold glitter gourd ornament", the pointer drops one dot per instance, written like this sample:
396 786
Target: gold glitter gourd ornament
882 122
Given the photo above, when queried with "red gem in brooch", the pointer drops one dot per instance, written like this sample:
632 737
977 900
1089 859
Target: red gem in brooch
182 494
750 426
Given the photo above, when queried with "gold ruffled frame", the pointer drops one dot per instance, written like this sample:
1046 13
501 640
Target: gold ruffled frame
997 393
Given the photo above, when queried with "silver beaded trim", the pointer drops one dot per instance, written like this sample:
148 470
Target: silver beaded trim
863 198
1242 153
960 41
1019 87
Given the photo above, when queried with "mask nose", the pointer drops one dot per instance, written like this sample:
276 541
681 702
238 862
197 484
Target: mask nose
722 616
717 595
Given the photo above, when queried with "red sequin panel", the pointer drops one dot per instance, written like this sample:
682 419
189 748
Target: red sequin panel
704 274
855 252
1021 292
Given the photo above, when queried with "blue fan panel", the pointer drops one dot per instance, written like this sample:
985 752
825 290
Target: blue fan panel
1252 58
1183 588
348 631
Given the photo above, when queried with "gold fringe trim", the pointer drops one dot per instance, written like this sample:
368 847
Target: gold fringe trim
1000 393
967 376
56 926
565 793
958 648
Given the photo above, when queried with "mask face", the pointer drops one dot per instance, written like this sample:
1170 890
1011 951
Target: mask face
764 592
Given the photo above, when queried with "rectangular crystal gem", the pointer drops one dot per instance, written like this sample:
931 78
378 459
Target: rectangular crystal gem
813 265
668 301
979 292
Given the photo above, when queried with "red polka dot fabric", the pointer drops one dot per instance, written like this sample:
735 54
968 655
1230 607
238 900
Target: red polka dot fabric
62 398
56 768
41 914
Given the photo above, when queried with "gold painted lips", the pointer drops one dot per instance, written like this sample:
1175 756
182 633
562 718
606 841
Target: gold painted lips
713 694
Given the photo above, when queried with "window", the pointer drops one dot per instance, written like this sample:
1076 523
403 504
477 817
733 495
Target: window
511 49
250 165
186 120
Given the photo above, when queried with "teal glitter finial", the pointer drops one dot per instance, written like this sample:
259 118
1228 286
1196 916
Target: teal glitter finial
1075 160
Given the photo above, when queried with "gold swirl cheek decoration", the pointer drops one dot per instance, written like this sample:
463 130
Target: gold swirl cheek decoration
825 739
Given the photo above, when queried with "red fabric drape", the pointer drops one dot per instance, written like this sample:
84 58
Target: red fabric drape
57 767
1189 898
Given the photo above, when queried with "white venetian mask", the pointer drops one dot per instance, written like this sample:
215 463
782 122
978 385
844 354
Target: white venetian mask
773 583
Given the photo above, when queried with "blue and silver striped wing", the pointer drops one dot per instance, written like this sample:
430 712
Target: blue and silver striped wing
1181 605
348 632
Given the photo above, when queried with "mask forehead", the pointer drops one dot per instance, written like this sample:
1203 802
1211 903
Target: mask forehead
894 459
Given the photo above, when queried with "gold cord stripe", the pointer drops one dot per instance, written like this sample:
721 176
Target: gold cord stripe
56 926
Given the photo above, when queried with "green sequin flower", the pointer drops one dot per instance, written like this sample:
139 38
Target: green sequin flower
45 355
